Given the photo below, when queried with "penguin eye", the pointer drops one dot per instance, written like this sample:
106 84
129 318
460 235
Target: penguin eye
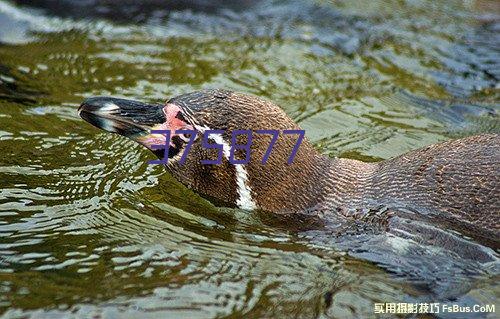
187 137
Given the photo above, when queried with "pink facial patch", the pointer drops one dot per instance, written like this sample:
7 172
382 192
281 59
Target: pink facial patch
172 123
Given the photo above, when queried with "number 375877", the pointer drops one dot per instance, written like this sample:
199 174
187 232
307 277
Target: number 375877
212 139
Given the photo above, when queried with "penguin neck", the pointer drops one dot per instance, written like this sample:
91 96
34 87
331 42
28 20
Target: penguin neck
311 181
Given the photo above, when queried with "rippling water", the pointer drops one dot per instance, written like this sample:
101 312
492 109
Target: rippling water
87 228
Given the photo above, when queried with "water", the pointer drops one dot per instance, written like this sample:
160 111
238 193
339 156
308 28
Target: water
87 228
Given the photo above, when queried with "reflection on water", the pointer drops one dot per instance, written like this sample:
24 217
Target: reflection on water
88 228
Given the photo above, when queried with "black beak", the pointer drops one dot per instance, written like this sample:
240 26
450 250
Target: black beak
125 117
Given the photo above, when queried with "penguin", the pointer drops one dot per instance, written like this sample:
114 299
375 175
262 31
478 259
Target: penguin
454 184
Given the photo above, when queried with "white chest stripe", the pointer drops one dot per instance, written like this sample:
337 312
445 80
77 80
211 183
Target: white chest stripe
245 200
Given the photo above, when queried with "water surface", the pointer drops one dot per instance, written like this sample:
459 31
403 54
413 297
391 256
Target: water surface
87 228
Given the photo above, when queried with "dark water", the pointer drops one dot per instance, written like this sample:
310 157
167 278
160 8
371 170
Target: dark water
88 229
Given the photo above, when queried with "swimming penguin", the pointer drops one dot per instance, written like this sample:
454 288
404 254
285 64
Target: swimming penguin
455 183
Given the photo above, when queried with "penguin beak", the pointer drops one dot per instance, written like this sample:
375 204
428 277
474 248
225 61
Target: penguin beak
125 117
131 119
136 120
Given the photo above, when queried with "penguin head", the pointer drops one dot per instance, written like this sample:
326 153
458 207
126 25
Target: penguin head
216 126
